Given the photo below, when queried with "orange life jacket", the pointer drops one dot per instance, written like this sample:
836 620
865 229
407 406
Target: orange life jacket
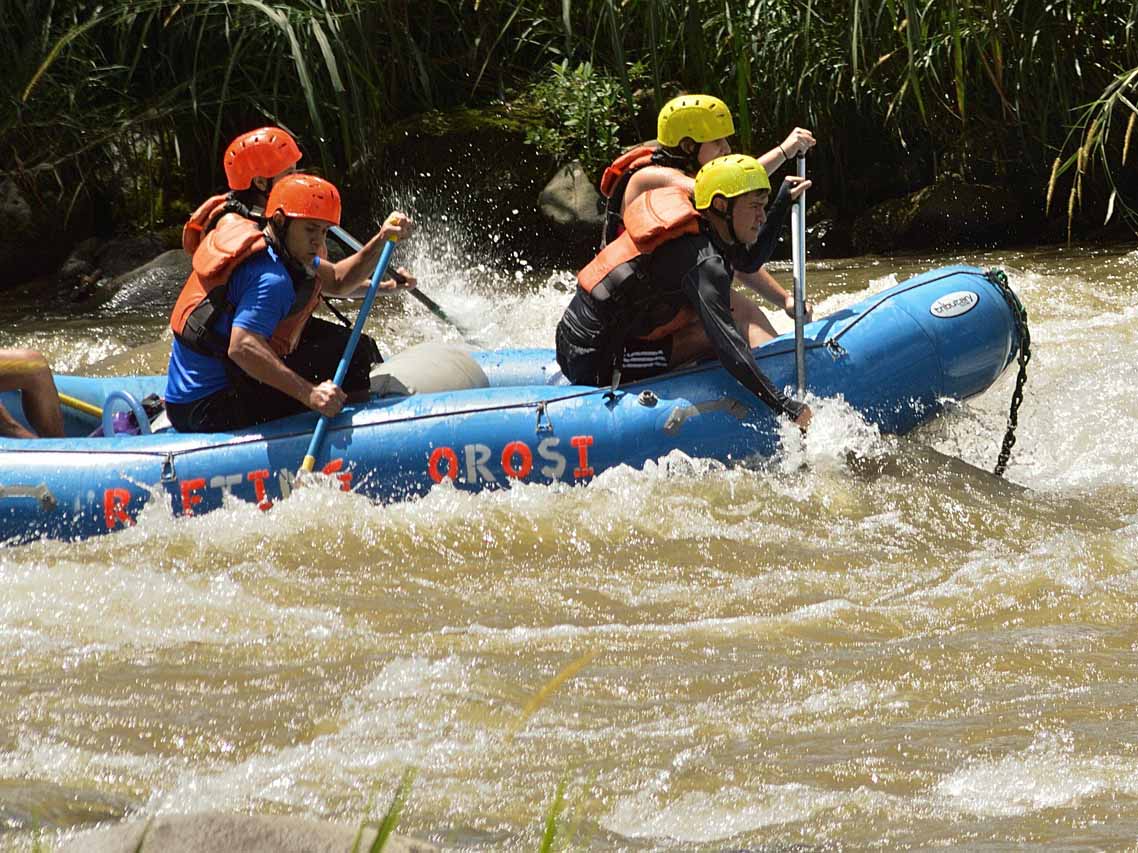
232 241
653 219
614 182
200 221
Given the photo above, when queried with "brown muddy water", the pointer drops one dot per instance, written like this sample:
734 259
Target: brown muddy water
900 653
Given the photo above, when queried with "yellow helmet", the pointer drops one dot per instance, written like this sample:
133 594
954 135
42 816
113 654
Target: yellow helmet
730 176
700 117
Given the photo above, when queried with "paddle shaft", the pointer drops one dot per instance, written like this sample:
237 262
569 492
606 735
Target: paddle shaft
80 405
798 252
349 350
428 303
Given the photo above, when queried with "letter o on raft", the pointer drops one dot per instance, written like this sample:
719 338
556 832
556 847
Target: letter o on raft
437 456
520 450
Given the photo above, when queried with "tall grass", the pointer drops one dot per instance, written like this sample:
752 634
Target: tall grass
1101 141
131 96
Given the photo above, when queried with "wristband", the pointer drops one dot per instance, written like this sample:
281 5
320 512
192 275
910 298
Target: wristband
782 152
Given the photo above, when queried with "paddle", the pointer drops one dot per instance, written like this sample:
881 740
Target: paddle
349 350
430 304
81 405
798 253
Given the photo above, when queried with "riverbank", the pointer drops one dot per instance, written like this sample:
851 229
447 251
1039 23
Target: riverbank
436 167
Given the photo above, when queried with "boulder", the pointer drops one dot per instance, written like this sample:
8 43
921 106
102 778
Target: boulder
572 204
123 254
20 240
229 833
15 212
156 282
93 266
38 225
949 214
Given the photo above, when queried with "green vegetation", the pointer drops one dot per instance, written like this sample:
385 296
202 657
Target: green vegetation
583 108
136 98
549 836
386 825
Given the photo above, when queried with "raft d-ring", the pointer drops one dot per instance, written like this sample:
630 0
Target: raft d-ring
543 413
135 408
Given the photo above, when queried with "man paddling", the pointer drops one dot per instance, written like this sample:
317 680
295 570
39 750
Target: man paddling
253 163
660 294
246 347
692 130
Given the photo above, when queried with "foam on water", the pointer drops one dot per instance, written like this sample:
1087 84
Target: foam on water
95 607
1048 774
1079 420
701 816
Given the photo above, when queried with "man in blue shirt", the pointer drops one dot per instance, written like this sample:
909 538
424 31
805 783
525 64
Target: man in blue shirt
246 348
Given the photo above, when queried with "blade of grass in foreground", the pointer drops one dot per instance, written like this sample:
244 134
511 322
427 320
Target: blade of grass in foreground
387 825
555 809
547 690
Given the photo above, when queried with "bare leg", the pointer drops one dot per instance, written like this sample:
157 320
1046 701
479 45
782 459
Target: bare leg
12 428
692 341
28 372
751 321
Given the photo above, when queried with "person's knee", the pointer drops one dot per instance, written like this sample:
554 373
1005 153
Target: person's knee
23 369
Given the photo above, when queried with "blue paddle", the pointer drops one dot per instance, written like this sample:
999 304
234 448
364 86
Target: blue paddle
322 425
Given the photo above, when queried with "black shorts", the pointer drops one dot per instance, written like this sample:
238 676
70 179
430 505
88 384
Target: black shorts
247 402
643 359
592 366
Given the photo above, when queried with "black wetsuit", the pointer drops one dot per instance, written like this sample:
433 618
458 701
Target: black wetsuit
693 270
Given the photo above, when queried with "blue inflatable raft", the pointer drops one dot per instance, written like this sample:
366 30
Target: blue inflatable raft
896 357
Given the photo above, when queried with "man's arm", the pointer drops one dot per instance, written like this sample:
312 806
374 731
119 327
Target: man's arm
767 286
345 277
799 141
764 284
252 353
707 287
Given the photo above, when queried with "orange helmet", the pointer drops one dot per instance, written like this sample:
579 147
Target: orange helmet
305 197
261 153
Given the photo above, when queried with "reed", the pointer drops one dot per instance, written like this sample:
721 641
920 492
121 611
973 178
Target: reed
556 807
131 97
386 825
1095 141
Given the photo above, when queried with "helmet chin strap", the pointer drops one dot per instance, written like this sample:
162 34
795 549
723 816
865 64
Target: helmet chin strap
693 157
279 234
729 218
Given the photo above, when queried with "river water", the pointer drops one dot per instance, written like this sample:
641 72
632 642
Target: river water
817 651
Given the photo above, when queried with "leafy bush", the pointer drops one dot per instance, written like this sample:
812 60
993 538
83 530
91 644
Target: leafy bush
135 96
584 107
